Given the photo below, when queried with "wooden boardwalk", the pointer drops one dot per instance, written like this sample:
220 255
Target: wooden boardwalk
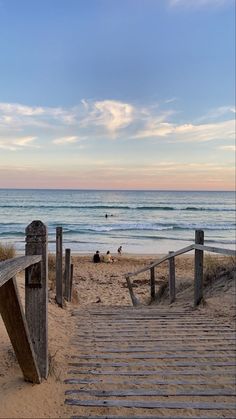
151 363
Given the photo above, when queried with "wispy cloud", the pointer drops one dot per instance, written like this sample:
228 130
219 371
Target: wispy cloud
66 140
110 114
228 148
14 144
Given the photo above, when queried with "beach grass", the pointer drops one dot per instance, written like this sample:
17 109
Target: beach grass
7 251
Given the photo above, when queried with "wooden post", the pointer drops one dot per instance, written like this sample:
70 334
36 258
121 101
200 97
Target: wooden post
171 279
59 277
67 275
152 283
198 271
71 280
14 319
133 298
36 293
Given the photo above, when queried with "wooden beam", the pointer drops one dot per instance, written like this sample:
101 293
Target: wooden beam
59 276
171 278
11 267
36 294
67 275
198 268
17 329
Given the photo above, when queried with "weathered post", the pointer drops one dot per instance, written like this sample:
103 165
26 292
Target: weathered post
67 274
171 279
152 283
59 277
36 293
198 271
71 280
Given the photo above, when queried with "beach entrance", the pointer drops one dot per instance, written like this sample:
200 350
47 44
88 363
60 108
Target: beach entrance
150 363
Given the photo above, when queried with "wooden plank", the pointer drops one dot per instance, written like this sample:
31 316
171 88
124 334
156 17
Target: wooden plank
146 348
170 338
163 373
171 278
173 364
152 404
36 294
71 281
11 267
67 275
59 276
147 381
198 268
14 319
152 393
126 354
147 417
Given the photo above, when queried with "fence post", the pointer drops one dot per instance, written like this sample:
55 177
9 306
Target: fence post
36 293
71 280
59 277
171 279
198 271
67 274
152 283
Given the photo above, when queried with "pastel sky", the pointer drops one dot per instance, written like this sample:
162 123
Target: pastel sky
117 94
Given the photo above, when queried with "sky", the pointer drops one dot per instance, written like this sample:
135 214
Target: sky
117 94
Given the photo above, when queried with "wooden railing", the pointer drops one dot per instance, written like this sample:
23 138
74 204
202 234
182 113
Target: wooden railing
28 331
199 248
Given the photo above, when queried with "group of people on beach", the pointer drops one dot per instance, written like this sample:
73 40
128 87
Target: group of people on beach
107 258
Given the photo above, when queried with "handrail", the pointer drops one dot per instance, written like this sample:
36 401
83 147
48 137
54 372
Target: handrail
11 267
158 262
180 252
199 248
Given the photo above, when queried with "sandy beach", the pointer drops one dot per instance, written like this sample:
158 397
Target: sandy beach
94 285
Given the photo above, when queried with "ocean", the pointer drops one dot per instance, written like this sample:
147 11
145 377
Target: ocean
142 222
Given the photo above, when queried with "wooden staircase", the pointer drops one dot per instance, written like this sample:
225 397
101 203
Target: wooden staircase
148 362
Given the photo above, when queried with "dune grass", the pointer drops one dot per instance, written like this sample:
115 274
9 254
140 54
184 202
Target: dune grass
7 251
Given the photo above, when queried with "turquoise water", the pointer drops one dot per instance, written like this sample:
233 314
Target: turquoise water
141 221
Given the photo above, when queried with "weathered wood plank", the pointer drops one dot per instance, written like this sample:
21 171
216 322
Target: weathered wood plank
147 381
14 319
147 417
227 252
36 294
173 364
126 354
11 267
152 393
163 373
152 404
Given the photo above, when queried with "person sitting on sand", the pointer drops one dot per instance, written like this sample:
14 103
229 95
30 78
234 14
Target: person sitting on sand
96 257
119 250
108 258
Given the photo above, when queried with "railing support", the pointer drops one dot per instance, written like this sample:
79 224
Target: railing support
59 276
36 293
14 319
152 283
171 279
198 271
67 292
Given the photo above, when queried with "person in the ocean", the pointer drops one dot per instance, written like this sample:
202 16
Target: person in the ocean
106 215
96 257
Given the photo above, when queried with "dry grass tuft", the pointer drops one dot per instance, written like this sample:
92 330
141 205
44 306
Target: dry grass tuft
52 271
217 267
7 251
